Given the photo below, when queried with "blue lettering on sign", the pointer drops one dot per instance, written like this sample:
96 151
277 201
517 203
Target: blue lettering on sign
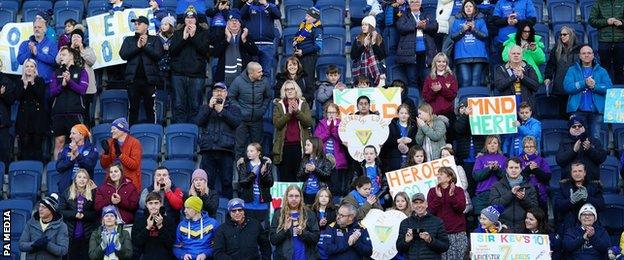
13 53
14 36
108 26
107 51
131 15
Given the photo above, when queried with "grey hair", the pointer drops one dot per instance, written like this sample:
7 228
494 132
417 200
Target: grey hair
350 208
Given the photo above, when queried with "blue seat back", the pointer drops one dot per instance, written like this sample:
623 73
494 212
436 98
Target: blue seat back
180 172
334 40
610 174
555 172
100 132
325 60
25 179
31 8
97 7
295 14
137 3
332 14
181 141
543 30
592 37
585 6
618 136
288 36
562 11
148 167
356 9
8 12
552 132
99 174
21 212
539 9
612 217
52 178
64 10
114 104
150 136
476 91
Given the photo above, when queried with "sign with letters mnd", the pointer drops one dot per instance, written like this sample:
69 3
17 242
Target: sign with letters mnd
359 131
384 100
509 246
277 193
418 178
11 36
614 106
493 115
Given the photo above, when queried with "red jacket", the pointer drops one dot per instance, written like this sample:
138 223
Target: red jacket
130 159
449 208
441 101
129 198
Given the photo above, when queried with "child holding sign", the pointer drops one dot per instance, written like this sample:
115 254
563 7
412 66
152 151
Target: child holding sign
371 168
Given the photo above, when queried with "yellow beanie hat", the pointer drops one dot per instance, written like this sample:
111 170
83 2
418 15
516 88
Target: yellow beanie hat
194 203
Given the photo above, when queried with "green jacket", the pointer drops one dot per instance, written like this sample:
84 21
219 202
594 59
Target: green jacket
436 133
280 121
603 10
95 248
533 58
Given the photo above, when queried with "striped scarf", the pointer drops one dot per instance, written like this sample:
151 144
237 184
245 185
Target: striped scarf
305 29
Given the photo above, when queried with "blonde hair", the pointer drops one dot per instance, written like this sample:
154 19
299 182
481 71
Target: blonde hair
317 203
297 89
34 62
286 209
447 70
87 193
408 207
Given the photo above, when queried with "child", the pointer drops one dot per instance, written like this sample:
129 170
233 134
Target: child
362 197
159 14
314 169
361 82
65 39
325 90
527 126
370 167
326 214
415 156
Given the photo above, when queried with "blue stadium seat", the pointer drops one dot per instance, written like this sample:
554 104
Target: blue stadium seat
543 30
356 9
618 136
97 7
64 10
562 11
294 14
612 217
394 71
325 60
334 40
21 212
98 133
552 132
354 31
99 174
160 103
585 6
8 12
114 104
150 136
610 174
592 37
539 8
555 172
546 107
477 91
181 140
288 36
137 3
148 167
52 178
222 211
579 29
332 14
170 6
25 179
180 172
31 8
604 136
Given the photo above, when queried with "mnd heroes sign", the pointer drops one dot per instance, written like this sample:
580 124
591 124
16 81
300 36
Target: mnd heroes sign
493 115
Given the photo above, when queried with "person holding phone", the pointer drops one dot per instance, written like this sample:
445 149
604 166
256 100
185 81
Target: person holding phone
514 193
172 196
154 233
422 235
532 47
199 187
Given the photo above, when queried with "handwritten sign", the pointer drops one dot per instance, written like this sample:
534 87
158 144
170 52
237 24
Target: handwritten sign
384 100
509 246
11 36
418 178
360 131
383 229
107 32
277 193
493 115
614 106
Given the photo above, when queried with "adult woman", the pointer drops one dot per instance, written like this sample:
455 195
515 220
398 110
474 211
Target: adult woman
587 240
488 169
402 203
255 179
293 70
416 155
88 56
327 130
532 46
368 52
110 240
431 134
199 188
562 56
77 207
361 197
469 33
79 153
314 170
32 123
536 169
402 133
447 151
536 222
167 28
516 77
324 209
294 228
292 120
119 192
440 90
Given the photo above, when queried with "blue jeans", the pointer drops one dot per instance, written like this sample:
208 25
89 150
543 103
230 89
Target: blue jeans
219 163
391 36
188 95
416 73
592 122
471 74
267 61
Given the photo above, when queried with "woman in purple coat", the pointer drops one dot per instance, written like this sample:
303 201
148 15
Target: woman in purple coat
488 169
327 131
536 169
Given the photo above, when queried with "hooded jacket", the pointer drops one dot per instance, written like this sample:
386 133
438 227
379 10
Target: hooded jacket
86 159
217 129
46 54
470 46
130 159
129 198
283 240
418 248
259 19
56 232
326 133
280 121
252 98
247 241
515 209
574 85
195 237
96 251
534 58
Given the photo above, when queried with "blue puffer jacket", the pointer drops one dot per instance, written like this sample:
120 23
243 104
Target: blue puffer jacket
580 249
195 237
469 46
524 10
574 84
217 128
313 43
86 159
259 21
532 127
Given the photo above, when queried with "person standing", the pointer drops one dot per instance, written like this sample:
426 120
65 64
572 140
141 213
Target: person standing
41 49
45 234
234 49
7 98
422 235
608 17
307 44
260 16
255 179
77 204
32 122
368 53
154 233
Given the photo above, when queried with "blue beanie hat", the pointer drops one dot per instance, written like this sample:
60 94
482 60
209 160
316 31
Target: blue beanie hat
122 124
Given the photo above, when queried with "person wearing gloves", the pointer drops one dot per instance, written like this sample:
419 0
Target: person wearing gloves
110 240
172 197
125 149
536 168
195 233
589 240
154 233
199 187
118 191
80 153
45 234
347 238
422 235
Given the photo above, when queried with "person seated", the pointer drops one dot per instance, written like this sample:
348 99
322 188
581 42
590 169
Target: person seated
154 233
195 233
172 196
361 197
589 240
199 187
118 191
110 241
347 239
536 222
45 234
488 220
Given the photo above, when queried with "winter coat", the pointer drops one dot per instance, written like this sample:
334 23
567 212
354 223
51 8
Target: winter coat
88 55
504 80
247 241
130 159
246 179
323 170
189 57
592 158
580 249
6 100
195 237
32 114
390 149
418 248
129 198
601 11
325 133
69 99
574 84
353 197
531 127
154 243
96 251
406 49
514 209
444 10
441 101
436 132
538 177
360 170
252 98
171 203
463 136
46 54
210 202
311 44
146 57
259 20
248 52
283 240
470 46
379 49
330 216
56 232
556 69
217 129
86 159
280 121
486 178
336 242
534 58
450 209
566 212
69 208
524 10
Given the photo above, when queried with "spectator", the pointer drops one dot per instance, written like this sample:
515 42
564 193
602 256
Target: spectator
527 126
440 90
431 131
233 48
118 191
65 38
405 97
487 171
307 44
325 89
361 197
488 221
467 144
507 15
260 16
142 53
578 146
392 13
294 228
536 222
363 106
532 47
293 121
347 239
416 156
514 193
218 121
255 179
241 237
402 203
165 34
422 235
607 18
46 16
589 240
371 167
40 49
199 188
80 153
189 52
368 52
448 202
445 16
587 82
416 44
32 121
110 240
536 169
154 233
78 210
158 13
470 34
76 41
324 209
402 133
219 15
200 6
171 196
250 93
327 130
124 149
361 82
196 232
116 73
8 90
516 77
447 151
564 54
45 234
117 6
314 169
293 70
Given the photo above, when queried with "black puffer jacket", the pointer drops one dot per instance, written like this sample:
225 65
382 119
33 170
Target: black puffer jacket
391 149
592 158
406 50
32 115
246 179
515 209
6 100
556 69
323 169
463 135
217 128
252 98
246 241
248 52
189 57
149 55
418 248
155 243
69 209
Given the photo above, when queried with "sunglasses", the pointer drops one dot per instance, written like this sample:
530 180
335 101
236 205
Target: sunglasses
577 126
236 210
564 34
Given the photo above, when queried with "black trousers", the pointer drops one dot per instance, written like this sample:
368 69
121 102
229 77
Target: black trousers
30 146
291 159
137 91
612 59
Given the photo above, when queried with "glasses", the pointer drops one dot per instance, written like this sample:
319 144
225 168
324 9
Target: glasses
530 146
343 216
289 89
236 210
577 126
564 34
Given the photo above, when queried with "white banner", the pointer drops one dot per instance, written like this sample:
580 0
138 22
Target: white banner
11 36
359 131
383 229
419 178
384 100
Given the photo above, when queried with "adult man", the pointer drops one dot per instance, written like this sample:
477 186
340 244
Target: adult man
241 237
608 17
346 239
154 233
41 49
250 92
172 197
589 240
234 50
45 235
587 83
422 235
123 148
218 121
578 146
195 232
189 54
142 52
259 17
527 126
